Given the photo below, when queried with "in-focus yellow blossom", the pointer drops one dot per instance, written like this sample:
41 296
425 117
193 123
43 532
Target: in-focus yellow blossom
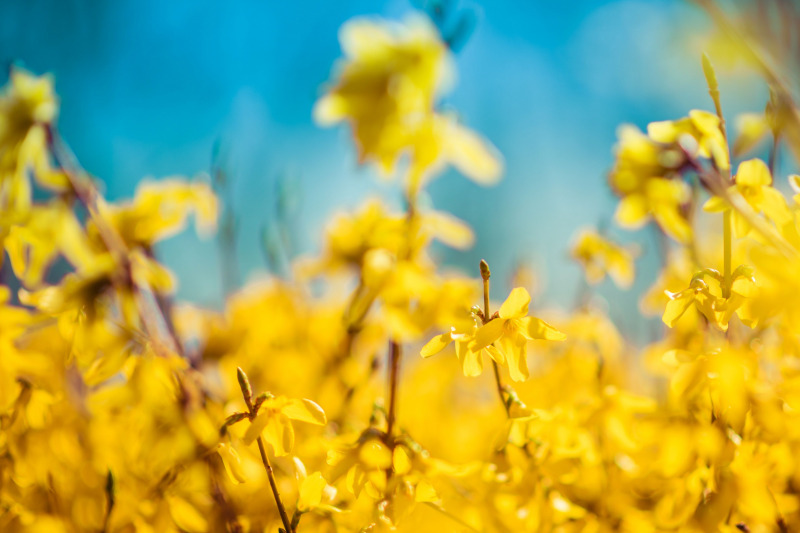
274 422
600 256
510 332
718 310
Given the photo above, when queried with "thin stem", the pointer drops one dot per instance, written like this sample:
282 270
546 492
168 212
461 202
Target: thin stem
247 394
296 519
726 235
394 366
485 275
268 467
500 389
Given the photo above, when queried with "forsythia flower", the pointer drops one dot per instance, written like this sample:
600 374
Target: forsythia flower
274 421
703 127
599 256
387 88
28 106
505 338
754 182
120 412
642 176
718 310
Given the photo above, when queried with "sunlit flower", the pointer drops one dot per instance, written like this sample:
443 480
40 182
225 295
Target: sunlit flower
754 183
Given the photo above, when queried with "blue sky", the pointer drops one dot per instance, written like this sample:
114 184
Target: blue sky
147 87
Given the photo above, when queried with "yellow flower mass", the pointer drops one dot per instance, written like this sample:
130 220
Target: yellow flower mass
303 404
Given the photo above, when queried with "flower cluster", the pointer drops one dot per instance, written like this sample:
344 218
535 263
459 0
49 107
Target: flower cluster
313 402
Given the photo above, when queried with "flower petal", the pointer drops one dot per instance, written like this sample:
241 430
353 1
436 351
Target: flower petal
305 411
677 307
536 328
436 345
516 305
487 334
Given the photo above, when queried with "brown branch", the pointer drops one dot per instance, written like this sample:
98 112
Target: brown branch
394 367
485 275
247 393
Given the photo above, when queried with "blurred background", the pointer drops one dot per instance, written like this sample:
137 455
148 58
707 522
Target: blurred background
157 89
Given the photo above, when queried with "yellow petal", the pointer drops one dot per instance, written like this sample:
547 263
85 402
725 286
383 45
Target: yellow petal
487 334
425 492
305 411
677 307
496 354
401 462
356 478
774 206
632 211
186 516
450 230
374 454
232 463
436 345
516 305
753 172
745 287
536 328
673 223
311 490
515 349
257 425
474 157
715 204
280 434
472 362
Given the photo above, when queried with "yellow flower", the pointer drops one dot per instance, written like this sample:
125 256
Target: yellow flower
274 422
717 310
754 183
364 462
387 88
511 331
313 491
387 85
28 106
645 177
40 235
504 338
160 209
703 127
600 256
471 361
